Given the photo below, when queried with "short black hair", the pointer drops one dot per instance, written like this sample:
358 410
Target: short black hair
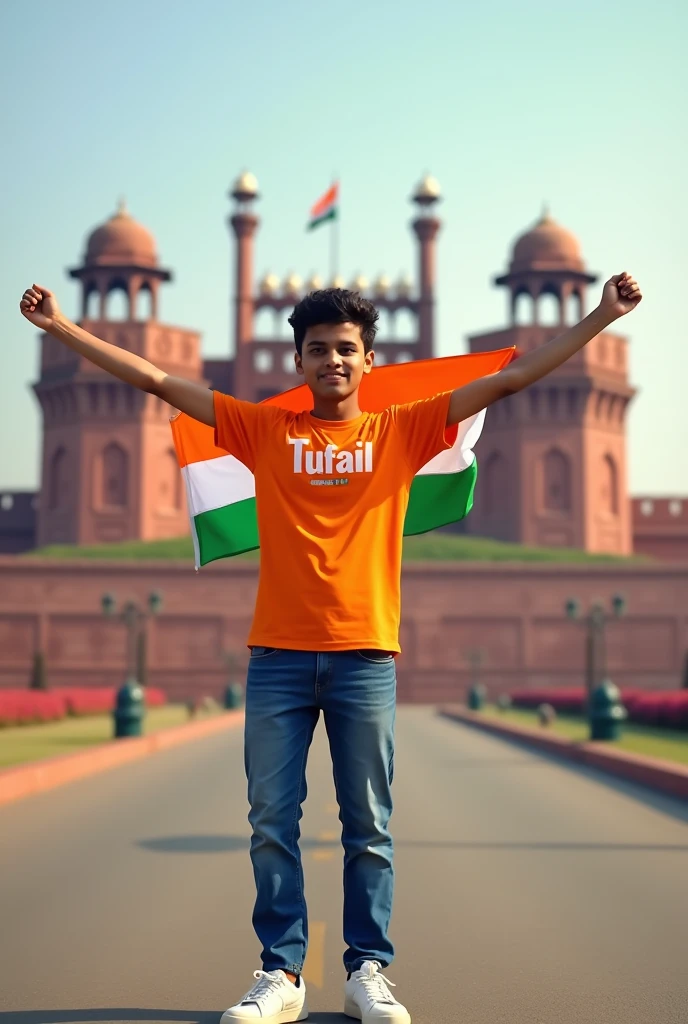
334 306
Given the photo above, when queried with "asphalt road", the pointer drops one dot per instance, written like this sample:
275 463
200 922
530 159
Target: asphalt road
528 891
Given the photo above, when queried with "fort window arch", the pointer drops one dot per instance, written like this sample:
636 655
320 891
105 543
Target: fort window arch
610 486
58 479
523 308
117 303
556 481
143 303
573 308
91 303
549 307
114 479
170 481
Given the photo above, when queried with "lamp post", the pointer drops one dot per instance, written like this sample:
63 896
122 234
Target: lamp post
129 708
134 618
603 707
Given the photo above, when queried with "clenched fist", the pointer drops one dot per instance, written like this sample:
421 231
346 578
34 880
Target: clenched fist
39 306
620 294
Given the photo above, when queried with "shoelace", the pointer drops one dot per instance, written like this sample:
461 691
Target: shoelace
265 986
375 984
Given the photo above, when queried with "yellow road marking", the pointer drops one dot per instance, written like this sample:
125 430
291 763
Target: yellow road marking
314 967
323 854
328 837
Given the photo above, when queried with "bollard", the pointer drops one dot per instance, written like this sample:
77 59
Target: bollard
606 712
476 697
234 696
546 715
130 709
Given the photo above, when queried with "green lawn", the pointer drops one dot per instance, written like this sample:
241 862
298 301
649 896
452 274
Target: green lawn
19 744
669 744
458 548
432 546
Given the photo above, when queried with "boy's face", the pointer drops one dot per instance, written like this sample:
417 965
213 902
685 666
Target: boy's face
333 360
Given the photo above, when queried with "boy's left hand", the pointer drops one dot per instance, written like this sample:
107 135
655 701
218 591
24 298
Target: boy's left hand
620 295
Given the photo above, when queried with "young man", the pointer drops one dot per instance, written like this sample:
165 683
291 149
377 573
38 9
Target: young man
326 622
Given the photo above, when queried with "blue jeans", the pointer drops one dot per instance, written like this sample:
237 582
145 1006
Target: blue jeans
285 692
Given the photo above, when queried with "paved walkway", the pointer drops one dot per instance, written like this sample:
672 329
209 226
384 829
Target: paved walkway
528 892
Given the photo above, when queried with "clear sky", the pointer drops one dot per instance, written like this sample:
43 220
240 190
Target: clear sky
508 105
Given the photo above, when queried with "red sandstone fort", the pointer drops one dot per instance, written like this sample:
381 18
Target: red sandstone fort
553 471
552 459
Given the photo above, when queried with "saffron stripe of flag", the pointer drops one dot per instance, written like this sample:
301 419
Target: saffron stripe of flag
325 208
221 492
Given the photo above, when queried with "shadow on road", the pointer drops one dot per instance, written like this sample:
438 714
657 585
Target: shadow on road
136 1014
231 844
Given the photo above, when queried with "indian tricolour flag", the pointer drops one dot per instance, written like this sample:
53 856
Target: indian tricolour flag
326 207
221 491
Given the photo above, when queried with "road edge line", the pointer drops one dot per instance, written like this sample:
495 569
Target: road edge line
23 780
661 776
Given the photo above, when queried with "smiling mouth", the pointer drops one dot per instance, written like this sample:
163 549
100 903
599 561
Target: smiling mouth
332 376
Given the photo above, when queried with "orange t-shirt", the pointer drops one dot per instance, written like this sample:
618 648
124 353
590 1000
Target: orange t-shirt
331 497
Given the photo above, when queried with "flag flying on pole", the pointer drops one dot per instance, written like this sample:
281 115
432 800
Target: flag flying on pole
221 491
326 207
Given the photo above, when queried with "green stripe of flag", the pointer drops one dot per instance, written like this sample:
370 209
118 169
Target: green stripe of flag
330 215
227 531
435 500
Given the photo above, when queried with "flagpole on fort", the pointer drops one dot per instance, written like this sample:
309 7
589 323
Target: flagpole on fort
334 245
334 237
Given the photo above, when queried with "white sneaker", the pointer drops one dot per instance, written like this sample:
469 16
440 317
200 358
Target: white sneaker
272 1000
368 999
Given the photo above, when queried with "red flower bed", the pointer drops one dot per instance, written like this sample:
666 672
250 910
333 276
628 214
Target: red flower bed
667 709
664 708
89 700
26 707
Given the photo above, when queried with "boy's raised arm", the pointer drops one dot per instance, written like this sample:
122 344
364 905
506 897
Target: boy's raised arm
620 295
40 308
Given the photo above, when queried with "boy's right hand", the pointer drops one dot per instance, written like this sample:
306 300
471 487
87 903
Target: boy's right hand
39 306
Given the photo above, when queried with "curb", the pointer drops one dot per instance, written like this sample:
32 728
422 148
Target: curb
662 776
37 776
